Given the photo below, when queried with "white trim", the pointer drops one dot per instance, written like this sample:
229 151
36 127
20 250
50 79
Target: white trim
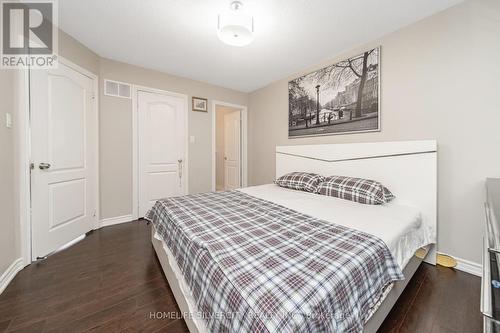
468 266
10 273
135 143
77 68
115 220
135 154
244 141
352 151
22 158
98 152
23 153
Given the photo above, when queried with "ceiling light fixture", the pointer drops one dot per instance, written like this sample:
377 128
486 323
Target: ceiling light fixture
234 27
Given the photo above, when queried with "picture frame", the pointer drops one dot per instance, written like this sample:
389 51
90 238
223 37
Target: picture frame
200 104
341 98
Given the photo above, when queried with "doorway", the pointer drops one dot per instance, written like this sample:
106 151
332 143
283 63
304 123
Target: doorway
229 146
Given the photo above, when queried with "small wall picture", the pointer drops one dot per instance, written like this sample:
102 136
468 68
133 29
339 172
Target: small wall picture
200 104
340 98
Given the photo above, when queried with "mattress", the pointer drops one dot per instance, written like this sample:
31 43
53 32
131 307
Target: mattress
399 226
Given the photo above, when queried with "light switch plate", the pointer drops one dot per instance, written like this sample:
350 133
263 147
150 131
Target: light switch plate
8 120
191 139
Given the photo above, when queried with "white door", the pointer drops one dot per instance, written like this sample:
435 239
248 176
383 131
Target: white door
64 157
161 147
232 145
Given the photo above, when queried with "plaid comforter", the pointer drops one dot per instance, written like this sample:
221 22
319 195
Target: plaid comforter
255 266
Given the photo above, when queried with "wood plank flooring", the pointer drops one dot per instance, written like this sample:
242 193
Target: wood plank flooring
112 282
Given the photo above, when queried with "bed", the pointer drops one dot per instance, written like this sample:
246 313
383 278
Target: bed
406 226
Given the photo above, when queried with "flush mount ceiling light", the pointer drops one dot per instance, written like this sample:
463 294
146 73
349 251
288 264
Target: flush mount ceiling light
234 27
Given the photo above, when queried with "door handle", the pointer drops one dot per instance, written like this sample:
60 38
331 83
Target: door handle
225 158
44 166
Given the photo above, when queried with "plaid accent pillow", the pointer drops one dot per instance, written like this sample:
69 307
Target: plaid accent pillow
360 190
302 181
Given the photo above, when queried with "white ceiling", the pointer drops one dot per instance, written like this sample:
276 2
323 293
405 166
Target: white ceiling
179 36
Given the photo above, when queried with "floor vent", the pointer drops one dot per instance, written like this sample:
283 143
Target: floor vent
117 89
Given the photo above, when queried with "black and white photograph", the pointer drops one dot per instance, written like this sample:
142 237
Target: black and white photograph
200 104
340 98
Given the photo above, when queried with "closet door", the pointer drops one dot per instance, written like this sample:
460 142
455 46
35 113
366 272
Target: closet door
162 141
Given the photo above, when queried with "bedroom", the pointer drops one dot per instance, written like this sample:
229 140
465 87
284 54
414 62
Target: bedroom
142 81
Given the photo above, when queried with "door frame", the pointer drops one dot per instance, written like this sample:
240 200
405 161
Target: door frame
22 153
243 142
135 141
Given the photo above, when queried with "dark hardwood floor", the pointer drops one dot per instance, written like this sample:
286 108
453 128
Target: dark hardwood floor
112 282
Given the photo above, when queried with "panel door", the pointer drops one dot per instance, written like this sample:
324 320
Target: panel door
64 155
162 140
232 174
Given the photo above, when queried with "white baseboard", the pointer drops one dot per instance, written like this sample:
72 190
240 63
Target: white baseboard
115 220
469 267
10 273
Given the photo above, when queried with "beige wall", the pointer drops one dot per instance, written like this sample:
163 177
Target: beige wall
9 228
116 132
78 53
439 80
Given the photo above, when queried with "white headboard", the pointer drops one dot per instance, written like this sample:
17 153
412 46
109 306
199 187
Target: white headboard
407 168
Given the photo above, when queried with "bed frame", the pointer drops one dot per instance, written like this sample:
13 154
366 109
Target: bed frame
407 168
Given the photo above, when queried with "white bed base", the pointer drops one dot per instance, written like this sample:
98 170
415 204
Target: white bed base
407 168
194 324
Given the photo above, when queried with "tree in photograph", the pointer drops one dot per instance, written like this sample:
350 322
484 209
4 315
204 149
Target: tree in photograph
300 104
295 93
345 71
